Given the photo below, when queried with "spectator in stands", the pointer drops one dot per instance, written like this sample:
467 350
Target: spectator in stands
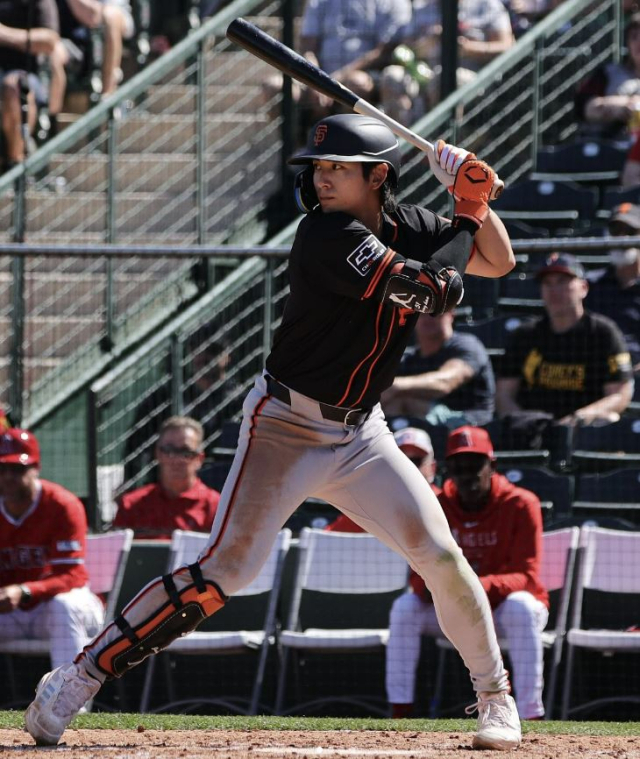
608 102
571 364
180 500
630 174
446 378
77 18
22 39
484 32
205 389
44 592
499 528
416 444
527 13
348 39
615 290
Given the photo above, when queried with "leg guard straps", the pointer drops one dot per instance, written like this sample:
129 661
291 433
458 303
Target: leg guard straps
181 614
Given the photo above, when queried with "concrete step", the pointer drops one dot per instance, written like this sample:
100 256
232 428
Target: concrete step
35 368
151 172
219 98
61 294
56 337
149 133
236 67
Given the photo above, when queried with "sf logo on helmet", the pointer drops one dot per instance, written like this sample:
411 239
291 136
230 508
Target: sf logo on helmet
321 133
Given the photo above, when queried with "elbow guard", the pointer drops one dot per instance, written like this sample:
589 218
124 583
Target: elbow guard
424 288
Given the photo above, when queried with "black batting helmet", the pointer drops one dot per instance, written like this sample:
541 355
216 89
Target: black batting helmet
350 137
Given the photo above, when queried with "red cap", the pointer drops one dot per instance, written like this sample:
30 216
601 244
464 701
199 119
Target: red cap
19 447
469 440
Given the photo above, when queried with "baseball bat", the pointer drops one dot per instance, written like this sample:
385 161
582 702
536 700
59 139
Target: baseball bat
263 46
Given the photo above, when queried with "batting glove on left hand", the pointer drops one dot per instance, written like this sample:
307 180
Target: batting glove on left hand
446 160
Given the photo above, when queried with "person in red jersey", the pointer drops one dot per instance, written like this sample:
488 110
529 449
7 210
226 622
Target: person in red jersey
180 500
44 593
499 528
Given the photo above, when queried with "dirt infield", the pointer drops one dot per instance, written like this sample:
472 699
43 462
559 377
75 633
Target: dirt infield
338 744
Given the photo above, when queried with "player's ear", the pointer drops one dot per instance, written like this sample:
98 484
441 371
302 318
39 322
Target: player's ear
379 175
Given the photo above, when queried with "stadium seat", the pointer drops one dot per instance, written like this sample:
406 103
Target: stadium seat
607 602
555 491
613 492
359 577
519 230
106 559
220 635
510 453
556 572
520 292
613 196
481 295
592 161
608 447
214 473
553 205
493 332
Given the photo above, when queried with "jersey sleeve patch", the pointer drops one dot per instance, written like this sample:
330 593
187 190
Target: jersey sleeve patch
366 254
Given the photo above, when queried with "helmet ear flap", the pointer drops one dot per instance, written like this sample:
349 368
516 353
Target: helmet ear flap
304 191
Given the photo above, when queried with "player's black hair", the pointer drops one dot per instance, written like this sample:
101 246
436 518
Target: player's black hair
387 197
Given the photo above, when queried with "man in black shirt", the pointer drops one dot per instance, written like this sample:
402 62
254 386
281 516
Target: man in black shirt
570 363
446 378
27 28
361 269
615 290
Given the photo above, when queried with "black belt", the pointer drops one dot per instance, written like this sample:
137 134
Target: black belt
349 416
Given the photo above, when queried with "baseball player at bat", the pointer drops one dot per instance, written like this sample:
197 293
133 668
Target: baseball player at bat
361 269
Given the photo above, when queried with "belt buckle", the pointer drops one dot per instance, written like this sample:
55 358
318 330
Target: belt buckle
346 417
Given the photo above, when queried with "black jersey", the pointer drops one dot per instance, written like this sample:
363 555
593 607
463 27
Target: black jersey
562 372
337 342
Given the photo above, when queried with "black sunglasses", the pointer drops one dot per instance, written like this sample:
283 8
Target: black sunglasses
182 453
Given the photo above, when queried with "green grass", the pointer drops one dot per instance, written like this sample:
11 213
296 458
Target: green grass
117 721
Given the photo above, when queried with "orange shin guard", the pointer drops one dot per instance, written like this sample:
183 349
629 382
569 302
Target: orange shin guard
181 614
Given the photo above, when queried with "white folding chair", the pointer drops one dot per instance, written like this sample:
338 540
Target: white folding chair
609 563
355 565
105 559
559 549
264 590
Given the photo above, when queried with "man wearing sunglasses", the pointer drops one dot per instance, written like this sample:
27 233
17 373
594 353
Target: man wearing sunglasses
179 500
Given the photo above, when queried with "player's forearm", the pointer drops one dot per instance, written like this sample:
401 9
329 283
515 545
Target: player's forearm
482 50
437 384
494 256
87 12
39 40
603 110
614 403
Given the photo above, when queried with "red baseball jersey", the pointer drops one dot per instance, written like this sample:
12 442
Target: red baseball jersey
502 542
154 514
45 548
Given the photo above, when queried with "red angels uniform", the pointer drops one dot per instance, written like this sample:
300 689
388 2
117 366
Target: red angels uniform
45 548
502 542
152 513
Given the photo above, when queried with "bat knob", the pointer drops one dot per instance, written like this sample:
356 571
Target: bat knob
496 190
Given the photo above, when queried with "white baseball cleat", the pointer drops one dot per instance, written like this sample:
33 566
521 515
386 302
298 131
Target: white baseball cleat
498 722
60 695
